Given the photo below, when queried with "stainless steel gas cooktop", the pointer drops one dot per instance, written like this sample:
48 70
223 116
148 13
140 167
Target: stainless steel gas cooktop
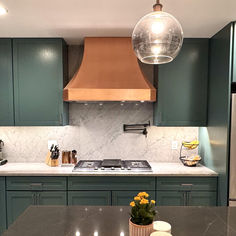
112 165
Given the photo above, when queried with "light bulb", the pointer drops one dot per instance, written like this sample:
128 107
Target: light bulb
157 27
3 11
156 50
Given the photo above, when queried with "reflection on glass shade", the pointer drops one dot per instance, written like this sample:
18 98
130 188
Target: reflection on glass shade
157 38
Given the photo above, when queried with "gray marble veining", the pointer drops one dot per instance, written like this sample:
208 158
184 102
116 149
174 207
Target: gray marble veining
113 221
97 132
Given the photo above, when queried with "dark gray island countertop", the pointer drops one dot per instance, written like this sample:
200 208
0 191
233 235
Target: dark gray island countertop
113 221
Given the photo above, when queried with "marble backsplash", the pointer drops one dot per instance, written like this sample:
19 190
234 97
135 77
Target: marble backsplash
96 132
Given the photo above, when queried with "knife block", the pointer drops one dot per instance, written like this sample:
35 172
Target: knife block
50 162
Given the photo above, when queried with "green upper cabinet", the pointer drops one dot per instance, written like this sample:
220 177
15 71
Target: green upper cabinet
182 87
39 72
6 84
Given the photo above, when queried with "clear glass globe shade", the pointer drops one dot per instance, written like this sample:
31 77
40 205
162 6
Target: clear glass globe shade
157 38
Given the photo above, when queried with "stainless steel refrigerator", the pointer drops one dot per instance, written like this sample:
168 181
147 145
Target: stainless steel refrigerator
232 168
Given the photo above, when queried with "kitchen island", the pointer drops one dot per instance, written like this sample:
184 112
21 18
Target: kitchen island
113 221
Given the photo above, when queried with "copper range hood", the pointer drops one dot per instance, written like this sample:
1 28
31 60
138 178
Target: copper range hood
109 72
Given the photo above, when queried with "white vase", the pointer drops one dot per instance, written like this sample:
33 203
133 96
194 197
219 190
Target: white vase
140 230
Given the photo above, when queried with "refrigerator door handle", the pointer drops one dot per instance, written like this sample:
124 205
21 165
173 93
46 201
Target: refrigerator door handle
232 167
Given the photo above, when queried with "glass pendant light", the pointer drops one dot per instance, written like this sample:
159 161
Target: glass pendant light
157 37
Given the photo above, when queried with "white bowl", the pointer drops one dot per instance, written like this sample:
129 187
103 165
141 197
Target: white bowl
162 226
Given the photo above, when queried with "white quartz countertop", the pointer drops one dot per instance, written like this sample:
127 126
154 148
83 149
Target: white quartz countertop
158 169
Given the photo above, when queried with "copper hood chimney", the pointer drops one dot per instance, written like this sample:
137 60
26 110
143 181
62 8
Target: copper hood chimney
109 72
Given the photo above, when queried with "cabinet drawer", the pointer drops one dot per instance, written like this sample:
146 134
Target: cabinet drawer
123 198
36 183
111 183
187 183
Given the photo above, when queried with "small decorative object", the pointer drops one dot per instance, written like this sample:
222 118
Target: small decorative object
162 226
157 37
189 160
142 215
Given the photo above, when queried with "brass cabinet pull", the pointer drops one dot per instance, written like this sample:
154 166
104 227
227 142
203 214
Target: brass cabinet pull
38 198
33 199
36 185
189 197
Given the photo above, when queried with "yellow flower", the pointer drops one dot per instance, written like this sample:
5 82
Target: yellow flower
153 202
132 204
144 201
143 195
137 198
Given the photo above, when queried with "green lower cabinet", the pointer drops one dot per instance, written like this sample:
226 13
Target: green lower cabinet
185 198
2 205
170 198
89 198
18 201
202 198
52 198
123 198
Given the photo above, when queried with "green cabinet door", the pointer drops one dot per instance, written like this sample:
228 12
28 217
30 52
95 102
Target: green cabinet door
17 202
182 87
52 198
2 205
89 198
6 83
171 198
123 198
38 82
202 198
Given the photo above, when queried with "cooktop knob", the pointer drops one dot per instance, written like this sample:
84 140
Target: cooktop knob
96 168
129 168
122 168
103 168
113 168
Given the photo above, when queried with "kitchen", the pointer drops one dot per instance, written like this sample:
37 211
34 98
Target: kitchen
74 83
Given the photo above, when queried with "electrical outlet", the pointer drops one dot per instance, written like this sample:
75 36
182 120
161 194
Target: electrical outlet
51 142
174 145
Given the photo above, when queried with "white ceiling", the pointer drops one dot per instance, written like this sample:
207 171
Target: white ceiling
75 19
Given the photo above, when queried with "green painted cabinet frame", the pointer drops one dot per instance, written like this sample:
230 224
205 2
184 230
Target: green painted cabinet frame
39 71
182 87
6 83
33 73
3 222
